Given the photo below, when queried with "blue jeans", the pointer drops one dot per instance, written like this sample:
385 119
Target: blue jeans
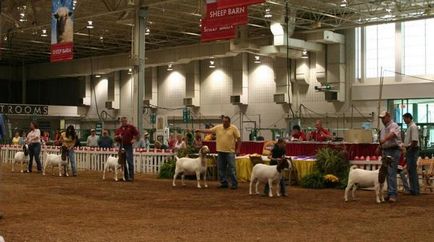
412 156
226 164
71 155
403 175
129 170
35 151
392 170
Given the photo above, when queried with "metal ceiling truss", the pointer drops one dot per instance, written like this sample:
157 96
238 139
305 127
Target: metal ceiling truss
177 22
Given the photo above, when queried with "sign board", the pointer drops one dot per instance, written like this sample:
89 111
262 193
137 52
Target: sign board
62 30
236 3
186 116
222 18
23 109
98 129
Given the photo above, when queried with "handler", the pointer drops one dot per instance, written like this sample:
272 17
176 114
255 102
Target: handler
320 134
126 135
390 141
411 143
68 140
227 139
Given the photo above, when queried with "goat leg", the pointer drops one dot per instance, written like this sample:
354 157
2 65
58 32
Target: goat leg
198 179
174 179
204 179
182 179
270 186
377 193
353 194
116 173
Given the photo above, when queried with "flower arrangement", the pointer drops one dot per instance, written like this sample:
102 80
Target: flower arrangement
331 180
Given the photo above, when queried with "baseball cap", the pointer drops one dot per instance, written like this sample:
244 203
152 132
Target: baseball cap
92 130
383 114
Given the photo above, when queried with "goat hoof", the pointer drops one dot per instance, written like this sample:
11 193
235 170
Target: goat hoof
199 187
173 185
206 186
116 180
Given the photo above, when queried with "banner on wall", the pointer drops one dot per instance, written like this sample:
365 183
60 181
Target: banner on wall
236 3
62 30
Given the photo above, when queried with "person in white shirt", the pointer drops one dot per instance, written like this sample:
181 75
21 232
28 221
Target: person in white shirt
411 144
180 143
33 139
92 140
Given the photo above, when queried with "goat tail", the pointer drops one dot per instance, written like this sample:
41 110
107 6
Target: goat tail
176 158
353 167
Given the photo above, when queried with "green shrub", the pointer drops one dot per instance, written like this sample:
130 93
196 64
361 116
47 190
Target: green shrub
314 180
332 161
167 170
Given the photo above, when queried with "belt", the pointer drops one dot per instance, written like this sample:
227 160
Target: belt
392 148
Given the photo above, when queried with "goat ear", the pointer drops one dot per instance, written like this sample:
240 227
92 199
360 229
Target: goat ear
69 14
56 15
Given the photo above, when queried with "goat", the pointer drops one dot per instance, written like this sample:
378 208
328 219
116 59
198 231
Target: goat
196 166
365 178
116 163
64 24
265 173
21 157
56 160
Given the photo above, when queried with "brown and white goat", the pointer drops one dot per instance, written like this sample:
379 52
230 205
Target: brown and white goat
365 179
21 157
116 163
197 166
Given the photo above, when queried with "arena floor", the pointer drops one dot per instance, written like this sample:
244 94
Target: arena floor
85 208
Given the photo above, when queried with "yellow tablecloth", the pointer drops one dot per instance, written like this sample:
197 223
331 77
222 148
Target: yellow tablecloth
303 167
244 168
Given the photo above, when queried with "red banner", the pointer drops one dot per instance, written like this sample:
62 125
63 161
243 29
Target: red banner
220 31
220 24
62 52
236 15
236 3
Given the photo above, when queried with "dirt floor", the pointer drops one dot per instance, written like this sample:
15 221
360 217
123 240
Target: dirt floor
85 208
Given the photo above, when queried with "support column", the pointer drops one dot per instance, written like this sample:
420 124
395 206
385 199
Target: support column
139 77
24 84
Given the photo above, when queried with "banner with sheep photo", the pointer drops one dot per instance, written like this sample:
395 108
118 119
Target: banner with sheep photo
62 30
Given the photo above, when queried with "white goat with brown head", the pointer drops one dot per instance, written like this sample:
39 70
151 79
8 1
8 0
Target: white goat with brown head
189 166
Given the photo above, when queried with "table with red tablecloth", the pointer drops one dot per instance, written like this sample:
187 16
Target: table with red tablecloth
306 148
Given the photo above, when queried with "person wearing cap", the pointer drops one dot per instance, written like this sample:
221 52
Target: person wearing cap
411 144
92 140
390 141
142 142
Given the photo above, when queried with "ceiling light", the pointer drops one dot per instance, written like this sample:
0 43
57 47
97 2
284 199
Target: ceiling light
147 31
257 59
44 33
130 71
97 76
212 63
389 10
170 67
90 24
267 13
305 54
343 3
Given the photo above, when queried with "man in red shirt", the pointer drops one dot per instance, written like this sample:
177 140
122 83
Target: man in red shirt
125 136
297 134
320 134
